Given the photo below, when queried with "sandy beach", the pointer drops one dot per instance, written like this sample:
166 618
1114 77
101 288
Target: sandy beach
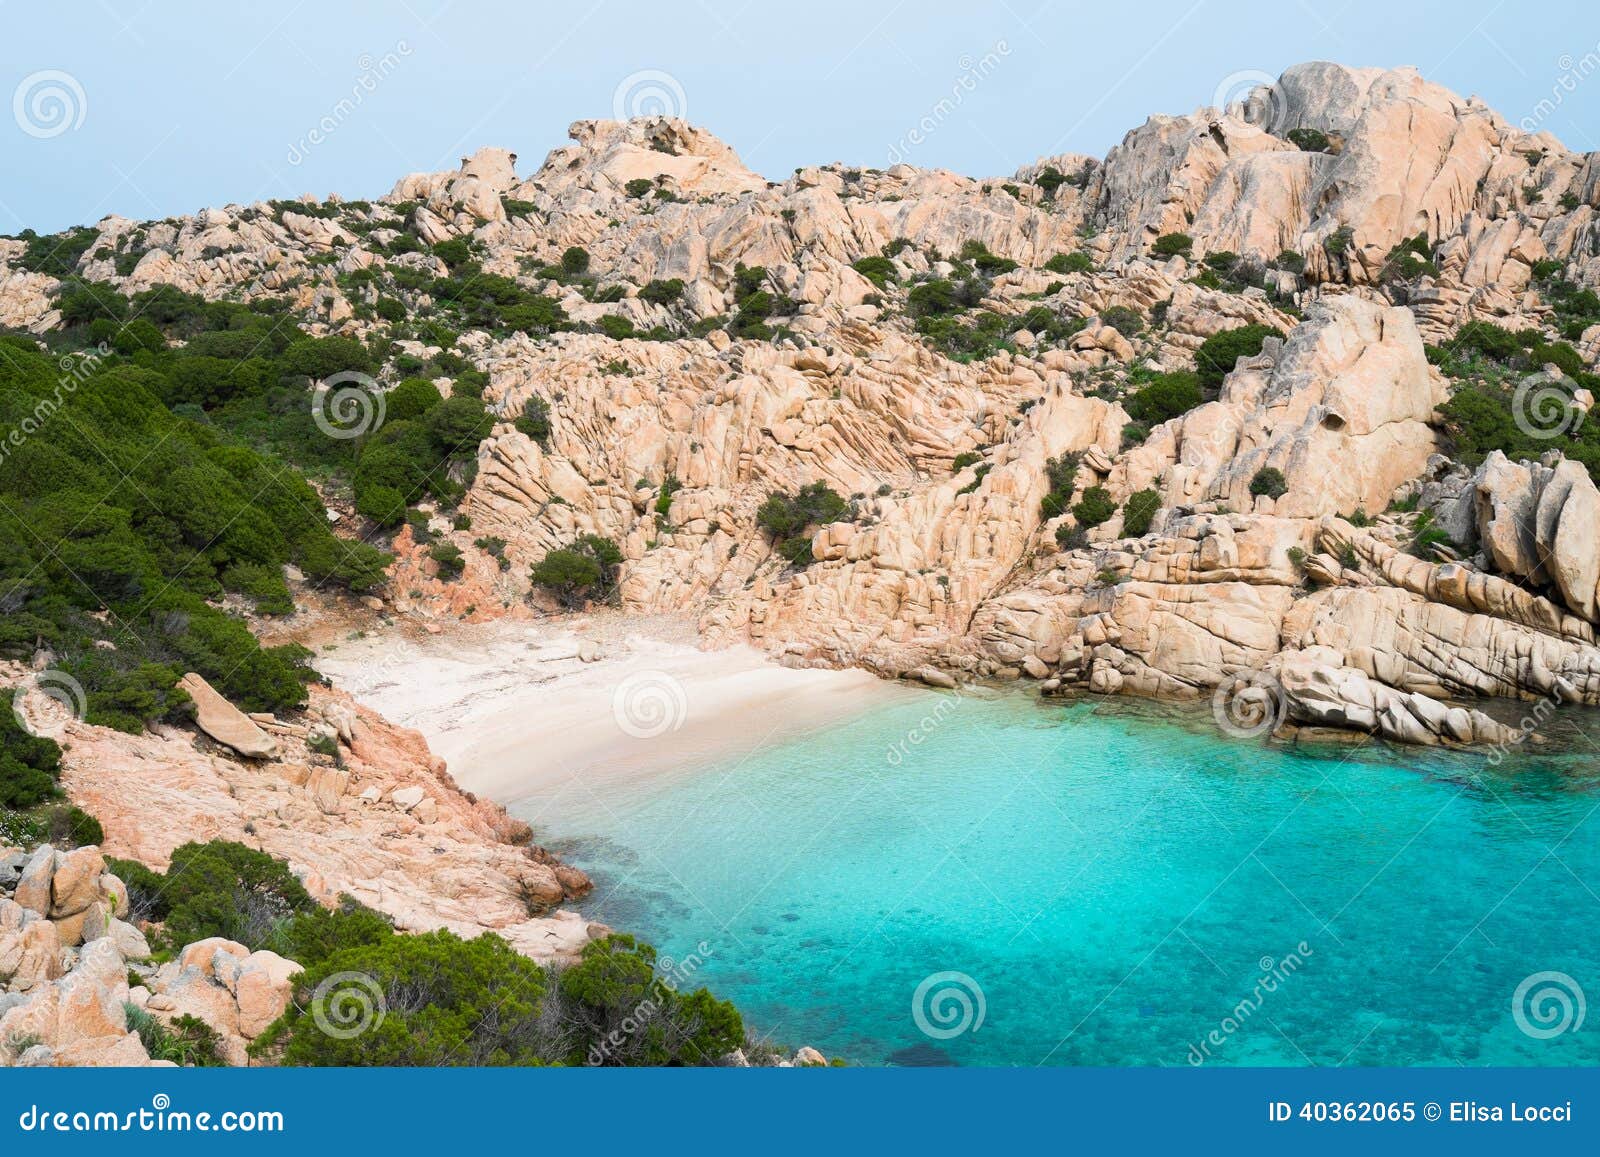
522 710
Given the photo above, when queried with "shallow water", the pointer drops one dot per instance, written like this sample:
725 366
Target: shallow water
1114 887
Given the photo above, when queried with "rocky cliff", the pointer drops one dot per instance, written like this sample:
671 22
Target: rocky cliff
1355 220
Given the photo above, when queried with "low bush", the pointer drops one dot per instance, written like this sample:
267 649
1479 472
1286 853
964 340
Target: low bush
1095 507
1138 512
582 570
1164 397
1215 358
787 518
1269 481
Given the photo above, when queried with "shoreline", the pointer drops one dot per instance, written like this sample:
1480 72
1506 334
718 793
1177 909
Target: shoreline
524 711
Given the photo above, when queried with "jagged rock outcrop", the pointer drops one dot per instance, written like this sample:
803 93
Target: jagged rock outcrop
68 983
669 447
447 861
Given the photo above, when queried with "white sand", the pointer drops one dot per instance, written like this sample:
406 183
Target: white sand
517 713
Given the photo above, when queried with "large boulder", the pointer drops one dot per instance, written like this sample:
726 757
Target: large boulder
224 722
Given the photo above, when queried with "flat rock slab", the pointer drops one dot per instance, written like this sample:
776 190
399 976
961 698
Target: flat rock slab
224 722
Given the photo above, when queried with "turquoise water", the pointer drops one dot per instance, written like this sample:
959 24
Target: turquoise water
1115 885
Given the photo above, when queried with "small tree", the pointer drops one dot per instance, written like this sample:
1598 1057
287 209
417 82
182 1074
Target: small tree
787 518
534 421
1269 480
575 262
1138 512
1095 507
575 572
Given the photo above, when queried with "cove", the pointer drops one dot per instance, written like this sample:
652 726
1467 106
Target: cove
1107 886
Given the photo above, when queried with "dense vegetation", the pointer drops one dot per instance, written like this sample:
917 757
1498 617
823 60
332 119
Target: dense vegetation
1502 399
123 522
1215 358
430 999
33 809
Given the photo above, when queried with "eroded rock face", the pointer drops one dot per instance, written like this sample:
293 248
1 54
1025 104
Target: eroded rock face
942 573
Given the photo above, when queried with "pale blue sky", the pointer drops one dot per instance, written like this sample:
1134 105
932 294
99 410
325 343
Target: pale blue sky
175 106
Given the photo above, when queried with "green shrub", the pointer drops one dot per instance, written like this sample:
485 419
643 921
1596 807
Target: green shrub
456 252
1172 245
660 292
147 890
29 765
575 262
1337 243
1062 474
1124 320
384 505
788 517
412 398
1070 263
226 889
263 584
448 559
1166 396
1215 358
1269 481
627 1015
1308 140
494 546
639 186
615 326
1138 512
1095 507
581 570
987 263
878 270
1050 179
188 1042
1426 537
427 999
534 421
